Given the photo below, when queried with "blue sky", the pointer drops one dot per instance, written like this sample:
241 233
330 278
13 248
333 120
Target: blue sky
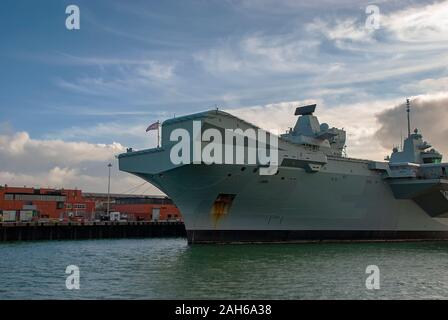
135 62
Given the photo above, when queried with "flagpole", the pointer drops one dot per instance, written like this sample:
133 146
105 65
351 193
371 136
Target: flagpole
155 125
158 134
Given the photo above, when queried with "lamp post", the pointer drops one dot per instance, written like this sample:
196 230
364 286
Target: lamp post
108 191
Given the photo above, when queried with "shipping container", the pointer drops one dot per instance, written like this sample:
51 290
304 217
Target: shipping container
114 216
155 214
9 216
26 215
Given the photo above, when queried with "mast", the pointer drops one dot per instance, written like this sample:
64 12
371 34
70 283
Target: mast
401 139
158 134
408 110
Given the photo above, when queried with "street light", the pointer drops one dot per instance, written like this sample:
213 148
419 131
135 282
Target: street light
108 191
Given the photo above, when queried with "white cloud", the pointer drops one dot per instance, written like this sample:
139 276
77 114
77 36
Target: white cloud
120 76
99 61
429 113
419 24
294 6
56 163
220 60
333 50
156 70
349 29
414 28
363 121
131 133
255 55
72 178
429 85
21 145
281 54
97 86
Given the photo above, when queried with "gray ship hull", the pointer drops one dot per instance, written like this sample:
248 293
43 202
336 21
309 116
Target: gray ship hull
310 236
294 205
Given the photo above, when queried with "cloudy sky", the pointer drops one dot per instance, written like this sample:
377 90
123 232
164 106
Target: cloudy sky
71 100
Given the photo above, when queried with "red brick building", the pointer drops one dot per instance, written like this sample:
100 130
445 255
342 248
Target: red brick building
137 207
74 205
46 203
148 208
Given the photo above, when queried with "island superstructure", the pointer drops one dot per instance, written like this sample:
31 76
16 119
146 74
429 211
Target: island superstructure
317 193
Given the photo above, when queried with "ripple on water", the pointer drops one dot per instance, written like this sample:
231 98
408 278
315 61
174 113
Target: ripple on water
169 268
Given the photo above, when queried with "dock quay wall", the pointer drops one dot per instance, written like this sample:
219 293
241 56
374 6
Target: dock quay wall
31 231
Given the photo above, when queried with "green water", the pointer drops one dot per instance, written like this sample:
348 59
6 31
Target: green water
170 269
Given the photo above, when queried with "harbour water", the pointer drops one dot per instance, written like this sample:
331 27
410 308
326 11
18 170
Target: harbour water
170 269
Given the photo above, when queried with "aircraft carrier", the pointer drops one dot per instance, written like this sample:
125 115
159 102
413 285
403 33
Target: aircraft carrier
317 193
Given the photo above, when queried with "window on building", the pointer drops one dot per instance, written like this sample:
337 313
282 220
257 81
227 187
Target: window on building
34 197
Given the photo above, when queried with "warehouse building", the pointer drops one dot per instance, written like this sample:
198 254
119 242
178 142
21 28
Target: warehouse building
40 204
136 207
28 204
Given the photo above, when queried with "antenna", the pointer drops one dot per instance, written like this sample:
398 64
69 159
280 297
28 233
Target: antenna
401 139
408 110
